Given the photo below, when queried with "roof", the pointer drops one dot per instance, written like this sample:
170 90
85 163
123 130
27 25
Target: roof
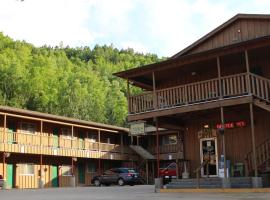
61 118
220 28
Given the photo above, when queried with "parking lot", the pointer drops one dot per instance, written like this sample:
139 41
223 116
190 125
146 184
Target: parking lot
140 192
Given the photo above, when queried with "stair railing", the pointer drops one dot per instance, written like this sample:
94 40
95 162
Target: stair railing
198 169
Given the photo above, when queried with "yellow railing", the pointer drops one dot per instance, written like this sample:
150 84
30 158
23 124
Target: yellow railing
10 137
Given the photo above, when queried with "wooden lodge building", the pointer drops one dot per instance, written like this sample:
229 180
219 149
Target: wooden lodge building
215 94
42 150
38 148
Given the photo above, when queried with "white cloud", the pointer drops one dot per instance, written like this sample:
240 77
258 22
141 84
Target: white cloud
158 26
47 22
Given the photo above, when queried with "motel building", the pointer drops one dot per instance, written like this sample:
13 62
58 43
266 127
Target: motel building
212 101
39 150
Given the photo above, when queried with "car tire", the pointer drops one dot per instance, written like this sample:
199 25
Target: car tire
97 182
120 182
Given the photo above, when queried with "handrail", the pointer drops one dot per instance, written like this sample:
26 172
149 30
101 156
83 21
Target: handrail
206 162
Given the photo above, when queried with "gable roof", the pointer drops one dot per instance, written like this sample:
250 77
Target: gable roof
218 29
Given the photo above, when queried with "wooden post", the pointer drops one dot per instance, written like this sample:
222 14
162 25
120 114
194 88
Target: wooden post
157 146
219 79
4 160
41 132
147 174
128 96
72 166
223 141
41 163
154 91
122 143
138 140
253 139
248 72
99 160
5 129
72 135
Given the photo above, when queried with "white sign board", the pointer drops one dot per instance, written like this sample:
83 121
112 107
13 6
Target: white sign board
137 128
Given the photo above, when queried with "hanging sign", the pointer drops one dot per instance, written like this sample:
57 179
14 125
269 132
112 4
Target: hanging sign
137 128
207 133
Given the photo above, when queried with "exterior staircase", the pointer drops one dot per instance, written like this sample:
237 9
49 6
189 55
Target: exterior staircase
263 158
209 183
142 152
262 104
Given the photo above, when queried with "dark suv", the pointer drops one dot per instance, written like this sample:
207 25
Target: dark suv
120 176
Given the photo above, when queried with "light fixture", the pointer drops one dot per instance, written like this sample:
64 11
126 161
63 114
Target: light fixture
206 126
193 73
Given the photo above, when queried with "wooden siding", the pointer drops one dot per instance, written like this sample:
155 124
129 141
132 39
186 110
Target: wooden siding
238 140
239 31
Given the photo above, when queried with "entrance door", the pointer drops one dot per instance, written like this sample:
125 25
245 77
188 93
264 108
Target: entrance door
208 151
81 173
55 138
54 176
10 178
11 130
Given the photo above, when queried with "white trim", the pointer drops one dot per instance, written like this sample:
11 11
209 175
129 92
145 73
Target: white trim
201 155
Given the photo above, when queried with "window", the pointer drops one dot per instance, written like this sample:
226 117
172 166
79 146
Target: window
66 132
91 167
66 170
27 169
28 128
169 139
92 137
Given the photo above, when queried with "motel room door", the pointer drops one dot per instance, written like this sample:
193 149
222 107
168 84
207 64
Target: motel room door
81 173
208 151
54 176
10 176
55 137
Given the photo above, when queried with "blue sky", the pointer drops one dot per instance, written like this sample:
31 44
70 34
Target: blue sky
163 27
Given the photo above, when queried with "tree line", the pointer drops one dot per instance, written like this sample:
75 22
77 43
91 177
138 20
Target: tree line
71 82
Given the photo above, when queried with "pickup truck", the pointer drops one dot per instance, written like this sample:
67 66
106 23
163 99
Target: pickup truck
168 172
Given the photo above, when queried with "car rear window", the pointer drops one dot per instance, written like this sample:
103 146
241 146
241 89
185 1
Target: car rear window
131 171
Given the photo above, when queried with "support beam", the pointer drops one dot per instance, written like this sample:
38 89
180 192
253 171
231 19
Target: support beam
253 139
219 78
122 143
223 142
248 72
41 132
147 173
4 161
5 129
128 95
157 146
154 91
99 160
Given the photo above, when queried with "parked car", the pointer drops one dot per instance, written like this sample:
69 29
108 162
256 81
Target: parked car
168 173
120 176
1 181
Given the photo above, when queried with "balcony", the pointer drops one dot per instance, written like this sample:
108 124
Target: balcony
61 146
227 87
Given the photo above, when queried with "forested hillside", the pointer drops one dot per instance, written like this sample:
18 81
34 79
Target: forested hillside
72 82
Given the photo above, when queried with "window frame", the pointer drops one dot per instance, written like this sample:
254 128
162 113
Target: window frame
22 167
27 131
70 170
66 136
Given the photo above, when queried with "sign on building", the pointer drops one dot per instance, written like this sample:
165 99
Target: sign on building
137 128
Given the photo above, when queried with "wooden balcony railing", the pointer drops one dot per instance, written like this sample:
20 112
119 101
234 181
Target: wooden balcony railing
10 137
169 148
226 87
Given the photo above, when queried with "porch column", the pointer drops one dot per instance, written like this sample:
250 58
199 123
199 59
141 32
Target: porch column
146 170
248 72
41 182
157 146
128 95
5 130
72 135
253 140
122 143
154 91
223 141
99 161
219 79
72 178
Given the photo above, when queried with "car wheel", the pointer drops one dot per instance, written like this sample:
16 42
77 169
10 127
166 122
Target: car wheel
121 182
97 182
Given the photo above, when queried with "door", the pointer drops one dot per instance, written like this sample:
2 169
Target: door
11 132
81 140
55 138
81 173
54 176
10 177
208 151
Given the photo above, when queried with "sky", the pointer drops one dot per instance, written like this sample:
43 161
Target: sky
163 27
